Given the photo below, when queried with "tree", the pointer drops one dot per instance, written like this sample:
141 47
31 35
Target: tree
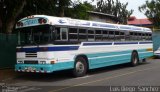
115 8
79 10
11 11
152 10
62 4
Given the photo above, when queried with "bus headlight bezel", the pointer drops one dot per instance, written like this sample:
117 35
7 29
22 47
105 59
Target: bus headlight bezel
42 62
19 62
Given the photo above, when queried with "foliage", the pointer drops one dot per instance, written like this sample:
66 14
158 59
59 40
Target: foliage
115 8
11 11
79 10
152 10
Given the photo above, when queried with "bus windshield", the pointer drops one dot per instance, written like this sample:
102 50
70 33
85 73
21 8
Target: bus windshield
35 35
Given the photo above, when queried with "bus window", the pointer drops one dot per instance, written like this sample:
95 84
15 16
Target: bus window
64 33
90 35
82 35
139 36
135 36
122 36
111 35
150 37
57 31
117 35
143 36
127 36
105 35
98 35
73 34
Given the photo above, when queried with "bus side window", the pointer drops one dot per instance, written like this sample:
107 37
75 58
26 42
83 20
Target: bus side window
57 31
122 36
143 36
127 36
91 35
117 36
139 36
64 34
98 35
105 35
150 37
73 34
135 36
82 35
111 36
132 36
146 36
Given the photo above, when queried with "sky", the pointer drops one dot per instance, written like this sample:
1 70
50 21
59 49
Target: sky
132 4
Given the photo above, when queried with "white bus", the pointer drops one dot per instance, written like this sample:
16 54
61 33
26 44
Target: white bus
47 44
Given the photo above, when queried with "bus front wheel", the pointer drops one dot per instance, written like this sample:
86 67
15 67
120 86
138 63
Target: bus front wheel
134 59
80 67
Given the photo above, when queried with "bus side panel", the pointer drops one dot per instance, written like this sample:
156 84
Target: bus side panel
144 54
111 58
101 56
114 58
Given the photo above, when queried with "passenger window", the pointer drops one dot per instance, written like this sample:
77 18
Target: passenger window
98 35
111 36
64 33
127 36
122 36
117 35
73 34
90 35
82 35
57 31
105 35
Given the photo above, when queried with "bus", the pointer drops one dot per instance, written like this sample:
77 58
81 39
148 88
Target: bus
47 44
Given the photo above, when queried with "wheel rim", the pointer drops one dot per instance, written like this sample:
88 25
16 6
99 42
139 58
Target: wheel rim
79 67
135 60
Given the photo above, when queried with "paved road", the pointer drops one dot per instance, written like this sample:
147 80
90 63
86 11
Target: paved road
114 79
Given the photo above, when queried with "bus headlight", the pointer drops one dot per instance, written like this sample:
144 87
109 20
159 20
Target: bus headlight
42 62
19 62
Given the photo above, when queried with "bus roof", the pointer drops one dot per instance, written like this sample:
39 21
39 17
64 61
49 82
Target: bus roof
35 20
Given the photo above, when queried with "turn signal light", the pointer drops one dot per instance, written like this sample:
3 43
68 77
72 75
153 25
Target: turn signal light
149 49
53 62
19 24
42 20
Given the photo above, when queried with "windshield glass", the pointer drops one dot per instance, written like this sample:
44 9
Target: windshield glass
35 35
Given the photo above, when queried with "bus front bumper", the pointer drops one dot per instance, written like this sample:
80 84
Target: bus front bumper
33 68
43 68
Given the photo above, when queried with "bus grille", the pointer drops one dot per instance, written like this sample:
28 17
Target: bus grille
31 54
30 62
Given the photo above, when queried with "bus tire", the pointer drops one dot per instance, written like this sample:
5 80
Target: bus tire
80 67
134 59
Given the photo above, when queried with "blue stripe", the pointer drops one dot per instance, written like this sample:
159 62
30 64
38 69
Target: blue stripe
145 42
42 49
122 43
90 44
115 43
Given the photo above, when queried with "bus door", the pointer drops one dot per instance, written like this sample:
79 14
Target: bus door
64 33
